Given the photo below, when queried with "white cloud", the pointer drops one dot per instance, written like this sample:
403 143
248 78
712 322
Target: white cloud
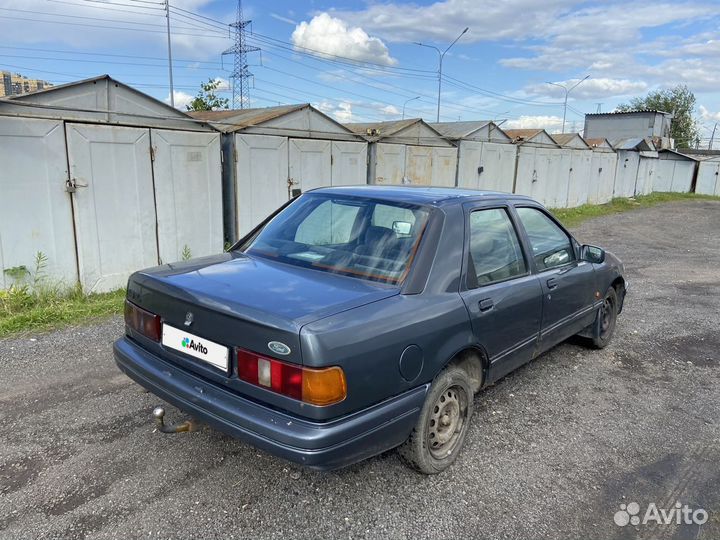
333 36
340 111
590 89
708 116
443 20
390 110
548 123
224 84
182 99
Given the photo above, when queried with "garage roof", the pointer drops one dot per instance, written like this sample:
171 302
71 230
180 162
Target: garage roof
300 120
414 131
99 99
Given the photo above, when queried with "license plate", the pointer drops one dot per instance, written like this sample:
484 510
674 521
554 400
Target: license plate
201 348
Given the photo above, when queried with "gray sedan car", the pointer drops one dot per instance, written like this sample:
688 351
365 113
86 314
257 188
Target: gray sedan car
359 319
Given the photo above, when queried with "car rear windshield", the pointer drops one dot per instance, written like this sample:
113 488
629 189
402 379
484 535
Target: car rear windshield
355 236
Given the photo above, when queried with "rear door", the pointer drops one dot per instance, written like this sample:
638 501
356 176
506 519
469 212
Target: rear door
568 284
503 298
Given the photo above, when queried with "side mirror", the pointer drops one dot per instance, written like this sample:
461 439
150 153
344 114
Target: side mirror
592 254
402 228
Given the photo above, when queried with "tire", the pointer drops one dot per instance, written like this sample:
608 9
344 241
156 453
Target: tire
605 321
440 431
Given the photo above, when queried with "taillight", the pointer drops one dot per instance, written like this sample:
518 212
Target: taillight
142 321
319 386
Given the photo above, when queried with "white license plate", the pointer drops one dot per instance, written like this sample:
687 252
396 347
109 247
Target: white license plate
206 350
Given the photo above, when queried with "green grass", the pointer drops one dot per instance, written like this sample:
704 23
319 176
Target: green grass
571 217
23 311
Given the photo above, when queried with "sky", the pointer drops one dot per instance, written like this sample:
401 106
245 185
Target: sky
360 61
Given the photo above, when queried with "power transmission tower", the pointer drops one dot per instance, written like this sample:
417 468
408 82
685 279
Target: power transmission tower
599 108
240 73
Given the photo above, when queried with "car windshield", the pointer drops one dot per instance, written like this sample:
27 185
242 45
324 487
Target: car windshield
355 236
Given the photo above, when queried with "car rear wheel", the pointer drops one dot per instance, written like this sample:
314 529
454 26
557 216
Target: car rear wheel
442 426
604 326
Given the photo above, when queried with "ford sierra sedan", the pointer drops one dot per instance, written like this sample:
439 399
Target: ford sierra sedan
359 319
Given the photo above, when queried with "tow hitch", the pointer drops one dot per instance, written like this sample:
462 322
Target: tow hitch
187 425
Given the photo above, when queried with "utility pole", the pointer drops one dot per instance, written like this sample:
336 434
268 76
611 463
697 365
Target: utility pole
441 55
599 108
712 137
567 92
170 70
240 73
408 101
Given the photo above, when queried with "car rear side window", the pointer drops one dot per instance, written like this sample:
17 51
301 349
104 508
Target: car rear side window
551 246
495 253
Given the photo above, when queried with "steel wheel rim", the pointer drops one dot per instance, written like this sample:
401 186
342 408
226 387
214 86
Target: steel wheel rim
606 316
447 422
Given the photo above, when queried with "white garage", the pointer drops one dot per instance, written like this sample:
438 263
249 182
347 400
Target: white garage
407 151
124 182
708 174
674 172
486 156
627 167
275 153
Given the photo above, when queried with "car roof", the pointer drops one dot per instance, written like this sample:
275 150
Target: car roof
426 195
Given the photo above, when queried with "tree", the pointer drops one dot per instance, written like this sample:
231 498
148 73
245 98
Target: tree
679 101
207 98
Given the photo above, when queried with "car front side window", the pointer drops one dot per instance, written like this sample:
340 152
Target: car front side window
550 245
495 252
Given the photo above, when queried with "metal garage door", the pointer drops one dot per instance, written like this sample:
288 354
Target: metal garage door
114 203
418 164
469 157
602 177
579 182
310 163
261 176
498 167
708 176
349 163
653 176
626 173
36 213
389 163
444 166
188 193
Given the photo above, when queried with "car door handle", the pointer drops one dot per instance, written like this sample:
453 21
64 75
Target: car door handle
486 304
552 283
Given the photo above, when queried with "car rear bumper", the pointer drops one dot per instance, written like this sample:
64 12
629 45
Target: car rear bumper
319 445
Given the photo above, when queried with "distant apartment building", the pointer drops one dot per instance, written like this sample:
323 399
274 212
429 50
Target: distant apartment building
13 84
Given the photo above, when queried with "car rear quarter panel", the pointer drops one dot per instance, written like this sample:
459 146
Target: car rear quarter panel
368 342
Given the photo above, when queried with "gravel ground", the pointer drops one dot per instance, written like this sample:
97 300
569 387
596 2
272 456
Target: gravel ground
553 451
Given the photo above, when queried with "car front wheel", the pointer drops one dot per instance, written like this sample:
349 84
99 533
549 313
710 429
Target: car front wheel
604 326
442 426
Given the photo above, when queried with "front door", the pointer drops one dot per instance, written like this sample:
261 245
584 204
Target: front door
568 283
503 298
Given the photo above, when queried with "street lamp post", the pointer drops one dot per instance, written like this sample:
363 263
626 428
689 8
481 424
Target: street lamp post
408 101
441 55
567 91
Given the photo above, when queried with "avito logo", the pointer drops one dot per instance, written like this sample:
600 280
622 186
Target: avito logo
195 346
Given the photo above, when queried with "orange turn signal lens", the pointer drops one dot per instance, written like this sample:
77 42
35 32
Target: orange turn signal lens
323 386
